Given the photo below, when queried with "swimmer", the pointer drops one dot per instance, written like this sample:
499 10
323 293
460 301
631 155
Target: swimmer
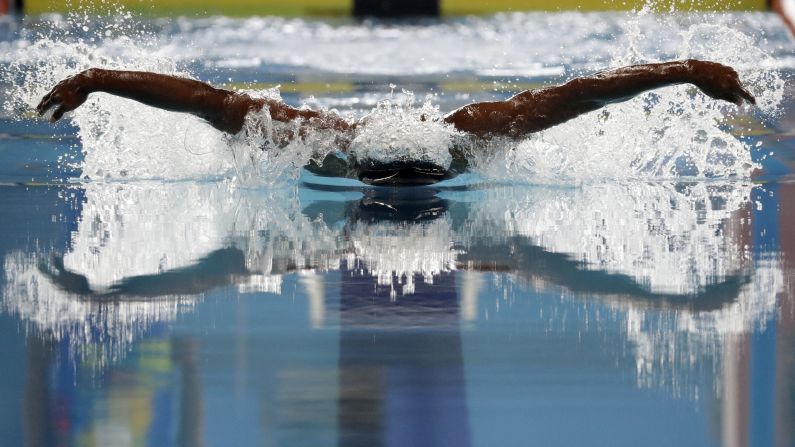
524 113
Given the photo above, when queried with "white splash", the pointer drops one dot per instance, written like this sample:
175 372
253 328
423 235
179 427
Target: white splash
396 130
667 133
675 131
262 155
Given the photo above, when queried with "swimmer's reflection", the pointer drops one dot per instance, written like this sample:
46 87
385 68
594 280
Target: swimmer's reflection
398 256
220 268
389 215
533 264
139 248
365 232
229 265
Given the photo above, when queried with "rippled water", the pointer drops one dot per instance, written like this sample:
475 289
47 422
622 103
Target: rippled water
633 281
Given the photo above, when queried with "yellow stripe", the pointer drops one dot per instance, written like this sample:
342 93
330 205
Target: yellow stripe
463 7
295 8
477 86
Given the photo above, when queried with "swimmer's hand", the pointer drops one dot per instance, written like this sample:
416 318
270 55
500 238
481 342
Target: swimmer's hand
66 96
719 81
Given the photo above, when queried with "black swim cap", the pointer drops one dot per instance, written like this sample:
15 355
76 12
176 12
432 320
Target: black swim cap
401 173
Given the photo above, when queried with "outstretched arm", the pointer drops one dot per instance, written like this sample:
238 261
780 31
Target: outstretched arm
534 110
223 109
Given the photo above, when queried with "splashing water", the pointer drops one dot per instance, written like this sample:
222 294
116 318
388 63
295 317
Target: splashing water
675 132
396 130
259 158
120 139
666 133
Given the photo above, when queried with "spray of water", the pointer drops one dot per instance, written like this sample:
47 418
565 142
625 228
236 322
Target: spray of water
398 130
669 133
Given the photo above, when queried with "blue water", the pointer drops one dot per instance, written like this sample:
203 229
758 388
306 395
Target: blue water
198 312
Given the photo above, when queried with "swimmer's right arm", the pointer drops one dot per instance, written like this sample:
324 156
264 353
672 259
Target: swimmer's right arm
225 110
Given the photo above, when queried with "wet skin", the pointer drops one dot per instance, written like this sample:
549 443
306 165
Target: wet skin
526 112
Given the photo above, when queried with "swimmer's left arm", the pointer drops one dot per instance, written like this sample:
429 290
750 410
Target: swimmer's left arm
535 110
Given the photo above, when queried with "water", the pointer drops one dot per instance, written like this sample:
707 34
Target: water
628 276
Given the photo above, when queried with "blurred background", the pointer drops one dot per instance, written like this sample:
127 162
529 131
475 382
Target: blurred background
371 7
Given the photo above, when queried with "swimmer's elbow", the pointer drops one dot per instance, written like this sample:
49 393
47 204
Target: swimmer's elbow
583 94
230 115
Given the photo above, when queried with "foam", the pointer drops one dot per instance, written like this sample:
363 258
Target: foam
397 130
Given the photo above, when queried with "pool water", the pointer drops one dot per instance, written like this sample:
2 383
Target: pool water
156 292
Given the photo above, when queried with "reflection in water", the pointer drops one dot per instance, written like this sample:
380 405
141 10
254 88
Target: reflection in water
670 238
415 372
54 308
670 261
155 393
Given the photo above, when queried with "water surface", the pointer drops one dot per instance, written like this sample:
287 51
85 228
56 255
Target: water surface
198 311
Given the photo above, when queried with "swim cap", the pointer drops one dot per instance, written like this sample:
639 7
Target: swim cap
401 173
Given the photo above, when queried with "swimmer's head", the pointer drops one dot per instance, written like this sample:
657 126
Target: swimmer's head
378 173
401 173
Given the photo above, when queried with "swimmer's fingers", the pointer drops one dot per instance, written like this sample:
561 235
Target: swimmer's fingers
40 108
45 103
733 98
738 95
58 113
719 81
735 94
51 100
747 96
52 107
66 96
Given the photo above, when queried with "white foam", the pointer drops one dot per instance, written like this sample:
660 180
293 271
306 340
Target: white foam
526 44
397 130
